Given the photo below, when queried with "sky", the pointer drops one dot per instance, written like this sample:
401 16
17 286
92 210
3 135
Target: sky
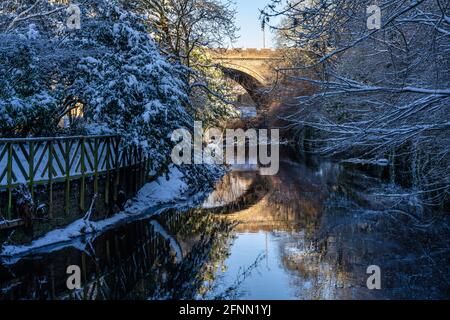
247 19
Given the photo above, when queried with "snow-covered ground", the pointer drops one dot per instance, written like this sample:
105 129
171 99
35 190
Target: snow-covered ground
153 199
161 191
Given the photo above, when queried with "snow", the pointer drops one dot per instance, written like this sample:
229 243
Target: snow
73 230
152 199
8 222
173 242
99 129
161 191
375 162
248 112
32 33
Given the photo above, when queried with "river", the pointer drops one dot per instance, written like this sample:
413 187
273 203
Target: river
310 232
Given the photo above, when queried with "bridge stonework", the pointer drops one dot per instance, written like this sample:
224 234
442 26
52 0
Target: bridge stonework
253 69
258 63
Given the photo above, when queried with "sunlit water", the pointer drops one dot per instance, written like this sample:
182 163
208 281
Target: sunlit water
309 232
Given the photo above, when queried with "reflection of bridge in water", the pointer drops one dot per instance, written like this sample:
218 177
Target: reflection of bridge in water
281 202
302 221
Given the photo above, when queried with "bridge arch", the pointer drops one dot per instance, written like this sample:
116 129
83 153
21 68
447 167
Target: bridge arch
247 70
253 86
251 68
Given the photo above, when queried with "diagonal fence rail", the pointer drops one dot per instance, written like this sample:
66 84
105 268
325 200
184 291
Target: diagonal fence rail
47 161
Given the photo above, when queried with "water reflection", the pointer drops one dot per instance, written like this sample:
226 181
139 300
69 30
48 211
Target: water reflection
319 226
309 232
166 257
280 224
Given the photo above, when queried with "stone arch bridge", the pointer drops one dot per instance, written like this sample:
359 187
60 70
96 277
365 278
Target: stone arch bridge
253 69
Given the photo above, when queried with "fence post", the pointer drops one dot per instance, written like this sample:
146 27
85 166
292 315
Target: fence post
96 146
108 168
83 171
50 177
117 163
31 168
9 180
68 146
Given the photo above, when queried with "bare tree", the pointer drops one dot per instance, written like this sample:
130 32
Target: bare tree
186 30
384 93
182 26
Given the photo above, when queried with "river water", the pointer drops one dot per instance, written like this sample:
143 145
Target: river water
309 232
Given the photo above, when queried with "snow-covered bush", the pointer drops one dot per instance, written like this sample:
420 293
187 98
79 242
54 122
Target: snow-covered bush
26 99
128 87
110 67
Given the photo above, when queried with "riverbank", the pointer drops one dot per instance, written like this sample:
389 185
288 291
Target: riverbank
168 191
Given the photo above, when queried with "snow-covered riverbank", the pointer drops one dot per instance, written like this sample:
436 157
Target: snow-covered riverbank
154 198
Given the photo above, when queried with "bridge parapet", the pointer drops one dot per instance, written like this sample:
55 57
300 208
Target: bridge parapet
247 53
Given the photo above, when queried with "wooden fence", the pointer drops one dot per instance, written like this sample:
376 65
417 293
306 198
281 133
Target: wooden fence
46 161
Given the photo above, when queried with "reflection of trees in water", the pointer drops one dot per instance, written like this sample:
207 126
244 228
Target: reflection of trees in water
290 208
133 262
299 195
204 239
362 225
333 224
192 278
293 197
234 291
348 222
337 222
312 276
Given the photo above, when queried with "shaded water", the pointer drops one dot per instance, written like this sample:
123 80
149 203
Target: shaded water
308 233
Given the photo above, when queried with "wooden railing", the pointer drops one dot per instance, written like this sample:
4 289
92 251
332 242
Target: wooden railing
46 161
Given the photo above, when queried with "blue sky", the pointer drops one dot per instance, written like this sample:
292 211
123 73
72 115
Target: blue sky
248 21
